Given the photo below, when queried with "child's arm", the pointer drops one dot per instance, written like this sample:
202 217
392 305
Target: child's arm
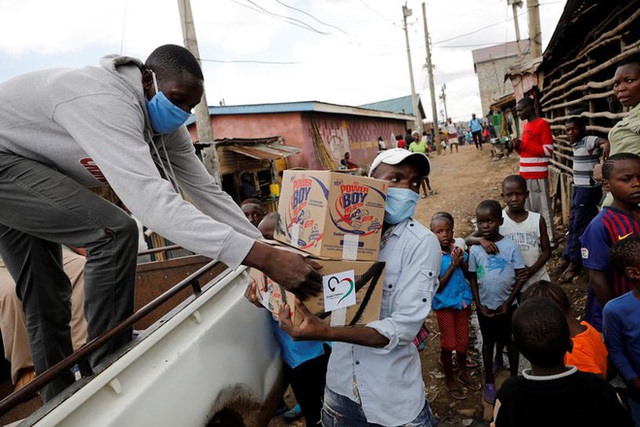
465 270
456 260
504 308
518 266
476 238
473 281
601 289
603 143
545 253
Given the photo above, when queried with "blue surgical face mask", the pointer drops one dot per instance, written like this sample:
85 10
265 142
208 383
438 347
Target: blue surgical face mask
164 115
401 204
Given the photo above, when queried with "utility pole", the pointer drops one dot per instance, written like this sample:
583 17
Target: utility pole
203 122
406 12
443 96
515 4
535 34
432 90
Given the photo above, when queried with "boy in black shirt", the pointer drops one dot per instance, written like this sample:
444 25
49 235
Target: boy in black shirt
550 393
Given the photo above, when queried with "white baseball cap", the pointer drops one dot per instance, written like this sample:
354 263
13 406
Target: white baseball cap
395 156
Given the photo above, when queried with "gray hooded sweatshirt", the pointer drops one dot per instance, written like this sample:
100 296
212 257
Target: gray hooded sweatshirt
91 124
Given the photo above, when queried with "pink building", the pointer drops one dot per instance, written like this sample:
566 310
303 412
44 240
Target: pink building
323 132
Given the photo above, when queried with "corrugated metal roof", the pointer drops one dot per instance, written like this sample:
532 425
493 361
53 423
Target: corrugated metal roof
499 51
526 66
401 105
576 26
273 151
306 106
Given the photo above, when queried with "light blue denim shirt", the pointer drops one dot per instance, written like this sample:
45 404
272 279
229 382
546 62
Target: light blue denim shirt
387 381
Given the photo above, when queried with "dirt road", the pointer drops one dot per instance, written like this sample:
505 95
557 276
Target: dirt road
461 180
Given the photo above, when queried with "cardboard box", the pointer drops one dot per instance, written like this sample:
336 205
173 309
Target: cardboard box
369 282
331 214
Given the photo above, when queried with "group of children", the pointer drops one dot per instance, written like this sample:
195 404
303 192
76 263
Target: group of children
503 273
505 267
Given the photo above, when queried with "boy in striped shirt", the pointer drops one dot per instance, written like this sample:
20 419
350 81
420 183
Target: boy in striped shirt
587 194
534 149
621 177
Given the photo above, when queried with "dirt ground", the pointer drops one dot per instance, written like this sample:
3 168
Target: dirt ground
460 181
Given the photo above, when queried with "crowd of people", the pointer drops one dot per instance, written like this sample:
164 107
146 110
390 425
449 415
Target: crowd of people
590 363
121 123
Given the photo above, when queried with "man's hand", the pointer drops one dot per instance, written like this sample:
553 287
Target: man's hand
251 293
311 328
489 247
293 271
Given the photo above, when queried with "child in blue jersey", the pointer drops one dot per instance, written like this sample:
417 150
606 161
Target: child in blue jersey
451 304
495 290
621 321
621 177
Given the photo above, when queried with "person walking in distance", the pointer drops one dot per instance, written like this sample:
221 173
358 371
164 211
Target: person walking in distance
476 131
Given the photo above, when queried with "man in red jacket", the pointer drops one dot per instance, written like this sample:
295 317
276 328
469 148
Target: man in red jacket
534 149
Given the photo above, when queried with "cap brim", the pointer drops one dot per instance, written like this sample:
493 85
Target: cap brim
395 156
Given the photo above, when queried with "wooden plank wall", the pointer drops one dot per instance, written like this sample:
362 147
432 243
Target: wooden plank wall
578 78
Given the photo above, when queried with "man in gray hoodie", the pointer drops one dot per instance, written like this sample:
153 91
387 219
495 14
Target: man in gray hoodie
120 124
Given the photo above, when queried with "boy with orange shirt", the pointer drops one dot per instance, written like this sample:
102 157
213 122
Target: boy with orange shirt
589 354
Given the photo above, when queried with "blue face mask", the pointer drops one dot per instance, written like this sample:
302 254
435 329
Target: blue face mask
164 115
401 204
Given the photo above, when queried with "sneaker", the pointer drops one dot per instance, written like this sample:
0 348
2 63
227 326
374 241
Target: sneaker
293 413
489 393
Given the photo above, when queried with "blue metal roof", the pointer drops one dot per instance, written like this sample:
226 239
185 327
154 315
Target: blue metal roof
305 106
402 105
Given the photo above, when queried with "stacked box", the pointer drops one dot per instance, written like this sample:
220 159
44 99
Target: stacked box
336 218
331 214
367 287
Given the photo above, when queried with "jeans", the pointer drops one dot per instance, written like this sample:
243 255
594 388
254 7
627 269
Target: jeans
42 209
340 411
477 138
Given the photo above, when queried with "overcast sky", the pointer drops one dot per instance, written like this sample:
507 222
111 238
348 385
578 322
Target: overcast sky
348 52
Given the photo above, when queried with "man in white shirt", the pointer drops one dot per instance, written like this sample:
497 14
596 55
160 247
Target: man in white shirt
374 374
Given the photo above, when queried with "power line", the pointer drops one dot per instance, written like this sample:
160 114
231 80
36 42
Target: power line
313 17
376 12
470 33
250 61
292 21
491 25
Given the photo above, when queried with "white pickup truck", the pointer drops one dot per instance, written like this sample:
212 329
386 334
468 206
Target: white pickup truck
204 356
